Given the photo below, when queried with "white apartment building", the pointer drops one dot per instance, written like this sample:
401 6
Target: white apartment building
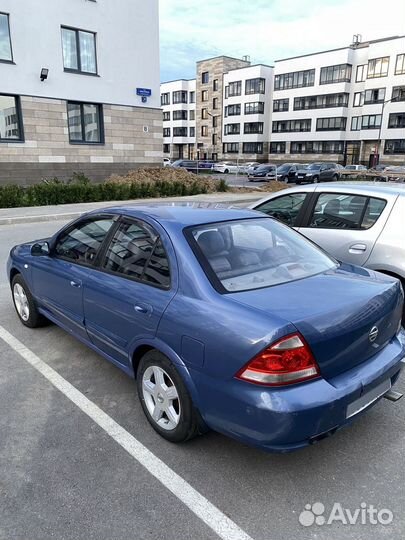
82 94
337 105
178 104
247 113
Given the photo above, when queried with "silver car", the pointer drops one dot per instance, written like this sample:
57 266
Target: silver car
360 223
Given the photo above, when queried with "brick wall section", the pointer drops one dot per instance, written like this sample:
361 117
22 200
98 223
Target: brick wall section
216 68
47 151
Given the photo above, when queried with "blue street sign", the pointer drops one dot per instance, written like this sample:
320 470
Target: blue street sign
146 92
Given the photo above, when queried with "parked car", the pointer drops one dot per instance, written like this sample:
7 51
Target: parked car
263 172
167 162
319 172
193 166
226 167
287 172
359 224
251 167
356 168
227 319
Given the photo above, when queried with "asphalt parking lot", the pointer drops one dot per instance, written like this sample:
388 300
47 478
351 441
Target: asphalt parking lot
62 475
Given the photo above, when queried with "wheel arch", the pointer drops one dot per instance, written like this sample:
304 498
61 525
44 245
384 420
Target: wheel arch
13 272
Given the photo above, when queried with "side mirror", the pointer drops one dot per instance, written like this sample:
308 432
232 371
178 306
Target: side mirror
40 249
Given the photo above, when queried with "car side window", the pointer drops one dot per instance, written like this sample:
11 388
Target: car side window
346 211
81 243
137 252
285 208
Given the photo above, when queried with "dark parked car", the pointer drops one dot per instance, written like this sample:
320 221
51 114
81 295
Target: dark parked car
264 172
319 172
193 166
286 173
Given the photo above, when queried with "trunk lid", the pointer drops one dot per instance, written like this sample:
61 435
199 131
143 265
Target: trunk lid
336 312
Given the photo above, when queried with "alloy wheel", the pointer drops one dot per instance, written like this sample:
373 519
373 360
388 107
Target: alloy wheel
161 398
21 302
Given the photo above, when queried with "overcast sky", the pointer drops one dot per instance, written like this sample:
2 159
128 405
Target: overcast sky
267 30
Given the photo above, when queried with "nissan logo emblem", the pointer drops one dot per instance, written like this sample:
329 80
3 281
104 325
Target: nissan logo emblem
373 334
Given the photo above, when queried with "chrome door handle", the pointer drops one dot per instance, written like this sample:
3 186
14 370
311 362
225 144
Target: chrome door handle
357 247
141 308
76 284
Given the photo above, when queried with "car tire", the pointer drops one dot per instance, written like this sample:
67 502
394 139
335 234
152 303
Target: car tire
226 171
315 180
24 304
298 182
335 178
168 408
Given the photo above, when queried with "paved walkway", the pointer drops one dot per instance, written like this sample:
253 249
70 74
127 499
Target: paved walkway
34 214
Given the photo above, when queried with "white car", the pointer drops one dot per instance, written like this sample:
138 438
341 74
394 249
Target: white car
356 168
167 162
226 167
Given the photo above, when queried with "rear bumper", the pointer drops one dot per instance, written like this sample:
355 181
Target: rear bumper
282 420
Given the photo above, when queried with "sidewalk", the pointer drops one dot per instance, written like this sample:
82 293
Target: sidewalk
9 216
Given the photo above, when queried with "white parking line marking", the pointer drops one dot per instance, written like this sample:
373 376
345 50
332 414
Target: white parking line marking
213 517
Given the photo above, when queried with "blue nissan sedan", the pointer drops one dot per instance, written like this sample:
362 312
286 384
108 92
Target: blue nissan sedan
227 319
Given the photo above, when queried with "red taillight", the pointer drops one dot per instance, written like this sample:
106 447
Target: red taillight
287 361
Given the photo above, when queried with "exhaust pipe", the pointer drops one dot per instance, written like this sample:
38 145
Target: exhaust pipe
392 395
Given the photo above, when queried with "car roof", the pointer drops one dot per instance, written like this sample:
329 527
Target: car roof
182 215
370 188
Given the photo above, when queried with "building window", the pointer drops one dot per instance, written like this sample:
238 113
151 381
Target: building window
277 148
378 67
180 96
166 148
394 146
192 115
204 131
204 114
10 119
234 89
297 79
336 74
215 85
192 97
231 129
285 126
323 101
214 139
253 127
166 132
215 103
232 110
356 123
6 54
358 99
371 121
215 121
192 132
317 147
79 51
180 132
204 95
253 148
254 107
398 93
231 148
166 116
361 73
85 122
396 120
165 99
281 105
331 124
205 77
377 95
400 65
255 86
180 115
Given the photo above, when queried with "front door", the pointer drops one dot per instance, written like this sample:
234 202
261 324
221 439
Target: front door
126 298
58 279
347 225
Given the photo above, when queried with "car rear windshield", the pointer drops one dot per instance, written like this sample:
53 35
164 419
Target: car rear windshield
314 166
251 254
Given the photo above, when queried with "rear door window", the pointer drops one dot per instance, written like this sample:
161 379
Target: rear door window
285 208
346 211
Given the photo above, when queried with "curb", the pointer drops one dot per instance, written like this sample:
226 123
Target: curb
16 220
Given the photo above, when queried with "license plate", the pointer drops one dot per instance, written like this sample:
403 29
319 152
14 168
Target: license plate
300 176
369 397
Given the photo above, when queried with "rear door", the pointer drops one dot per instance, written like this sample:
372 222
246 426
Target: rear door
126 298
346 225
